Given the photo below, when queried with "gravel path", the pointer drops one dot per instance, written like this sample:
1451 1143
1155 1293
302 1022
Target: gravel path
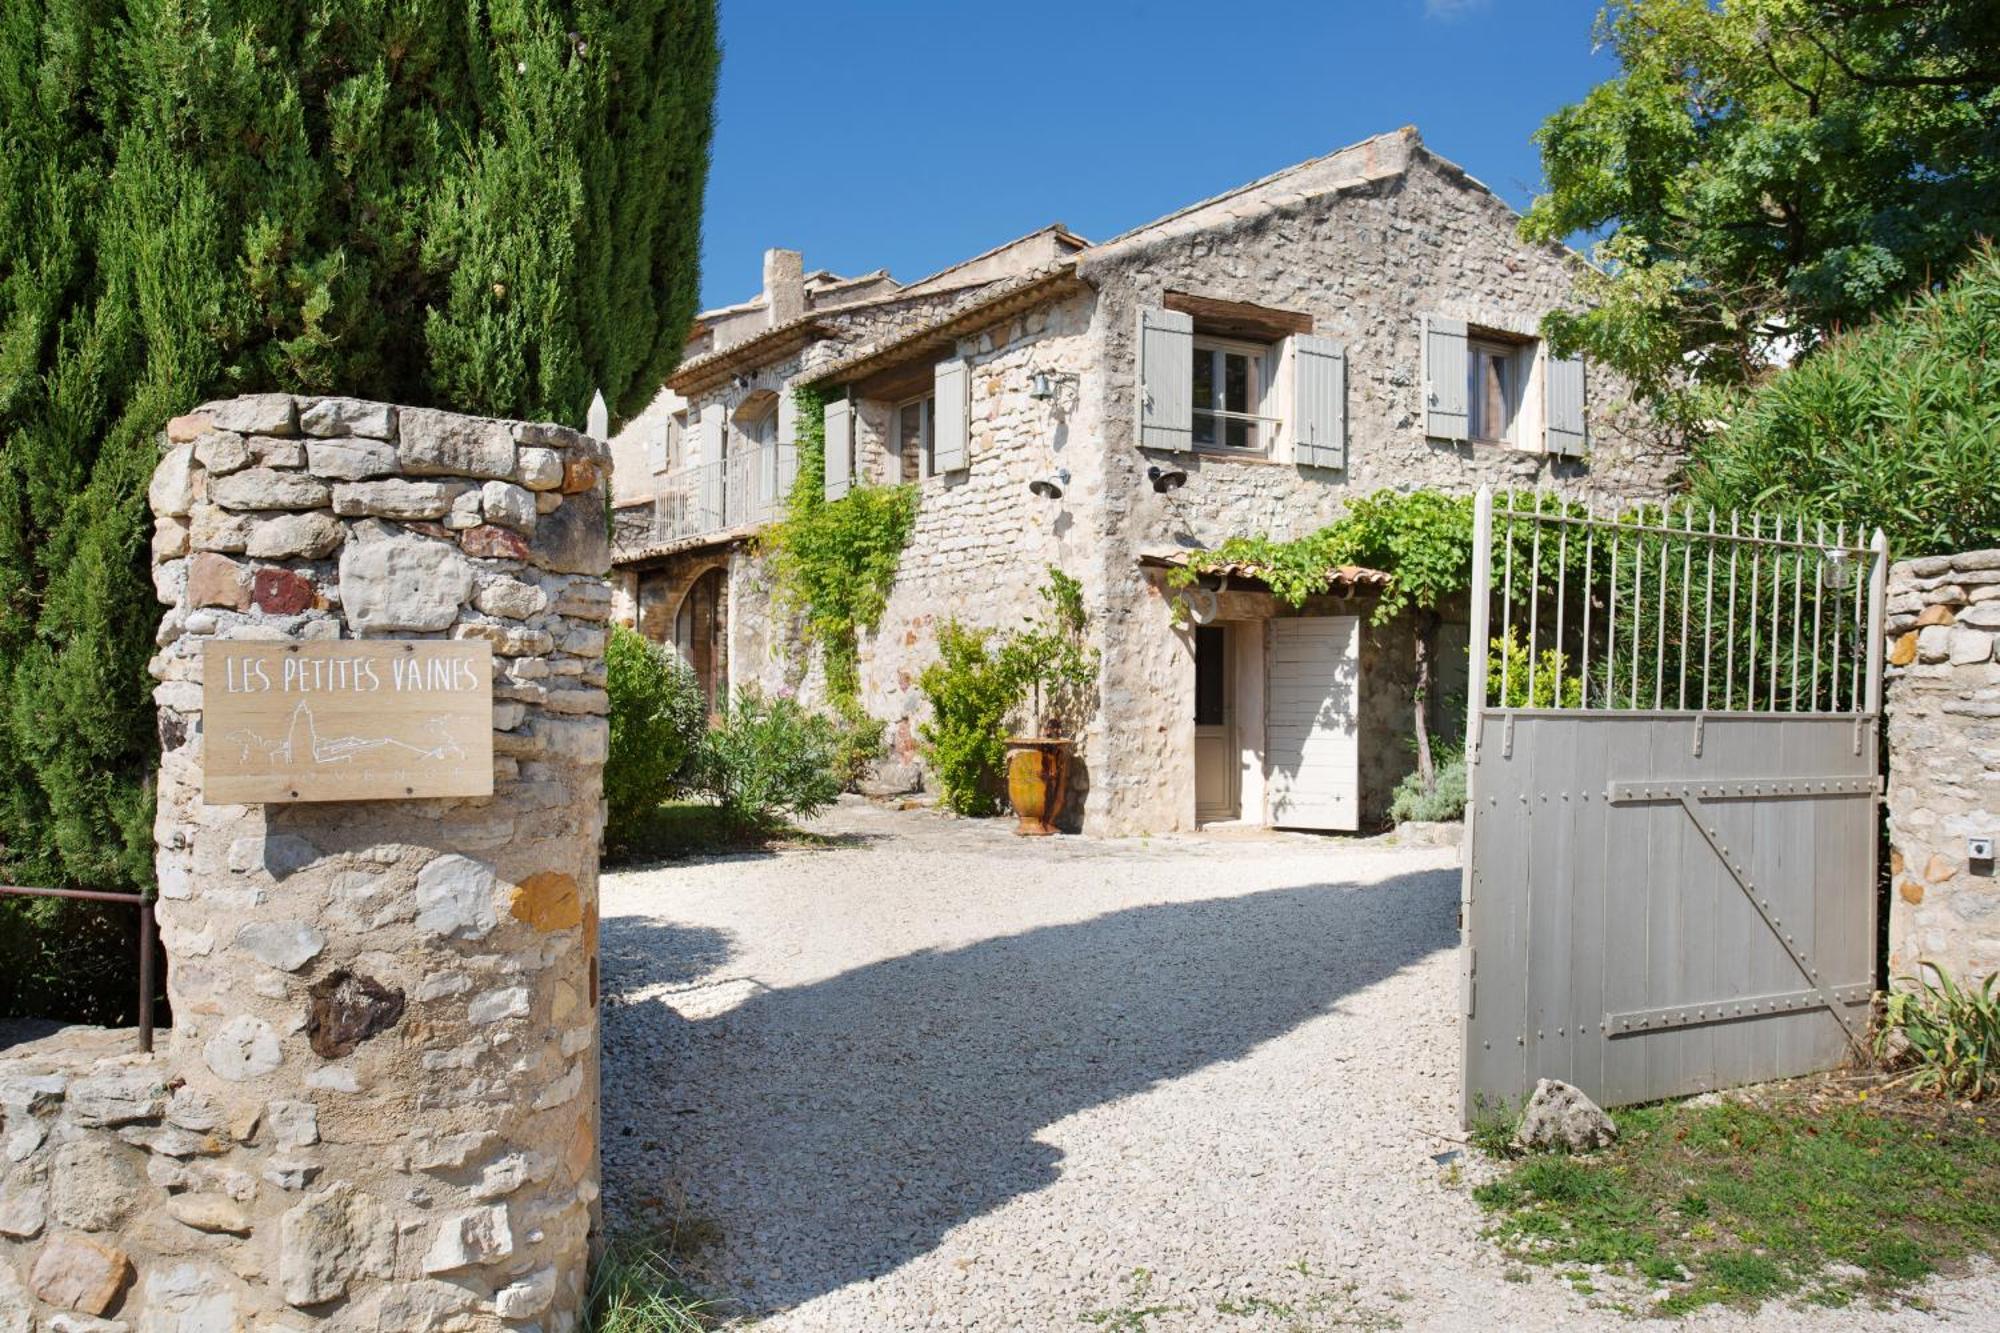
942 1078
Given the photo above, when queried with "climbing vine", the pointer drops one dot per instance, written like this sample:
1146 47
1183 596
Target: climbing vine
833 562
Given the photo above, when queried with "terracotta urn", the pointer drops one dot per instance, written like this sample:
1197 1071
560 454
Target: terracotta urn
1037 782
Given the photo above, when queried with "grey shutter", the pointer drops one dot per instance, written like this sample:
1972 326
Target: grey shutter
839 447
788 418
1563 402
714 498
950 451
1444 378
710 437
657 452
1166 379
1319 401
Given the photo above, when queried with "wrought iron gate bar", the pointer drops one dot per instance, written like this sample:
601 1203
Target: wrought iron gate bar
1739 538
1639 1022
1740 788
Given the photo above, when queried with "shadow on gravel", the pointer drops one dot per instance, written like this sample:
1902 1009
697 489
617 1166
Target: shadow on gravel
841 1128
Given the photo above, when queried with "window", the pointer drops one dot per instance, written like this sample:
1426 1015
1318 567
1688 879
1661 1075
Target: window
916 437
1229 385
1211 676
1494 374
673 442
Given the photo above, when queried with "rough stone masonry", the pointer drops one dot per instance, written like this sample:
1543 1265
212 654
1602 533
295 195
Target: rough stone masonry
1943 705
378 1106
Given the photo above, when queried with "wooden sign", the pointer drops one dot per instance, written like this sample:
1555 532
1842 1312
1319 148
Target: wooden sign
346 720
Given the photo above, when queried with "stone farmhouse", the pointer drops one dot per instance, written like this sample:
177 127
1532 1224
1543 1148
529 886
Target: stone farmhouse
1243 366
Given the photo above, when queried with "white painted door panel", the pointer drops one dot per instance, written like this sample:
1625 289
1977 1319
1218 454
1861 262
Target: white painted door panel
1311 731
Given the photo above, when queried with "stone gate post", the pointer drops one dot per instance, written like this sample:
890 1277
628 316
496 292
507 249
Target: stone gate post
378 1105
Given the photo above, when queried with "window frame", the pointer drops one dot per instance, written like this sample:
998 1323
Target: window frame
926 403
1264 428
1522 356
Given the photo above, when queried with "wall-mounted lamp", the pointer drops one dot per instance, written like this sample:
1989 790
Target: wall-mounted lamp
1041 385
1164 480
1050 487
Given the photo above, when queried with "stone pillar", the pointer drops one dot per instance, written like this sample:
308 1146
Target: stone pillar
1942 699
378 1105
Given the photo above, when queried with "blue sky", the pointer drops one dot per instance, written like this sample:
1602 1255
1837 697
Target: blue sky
905 135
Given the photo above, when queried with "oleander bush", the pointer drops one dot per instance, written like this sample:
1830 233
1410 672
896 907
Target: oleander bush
768 760
658 718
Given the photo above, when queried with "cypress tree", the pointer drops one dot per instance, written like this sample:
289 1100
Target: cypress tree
490 208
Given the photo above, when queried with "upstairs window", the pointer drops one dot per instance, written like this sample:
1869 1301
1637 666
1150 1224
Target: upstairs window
1495 374
916 437
1229 390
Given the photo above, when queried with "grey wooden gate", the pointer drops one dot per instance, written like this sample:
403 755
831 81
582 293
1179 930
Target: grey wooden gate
1671 819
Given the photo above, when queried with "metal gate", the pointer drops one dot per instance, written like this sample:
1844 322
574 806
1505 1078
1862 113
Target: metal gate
1672 785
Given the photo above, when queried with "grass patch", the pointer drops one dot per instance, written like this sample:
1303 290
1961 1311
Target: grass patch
637 1288
678 830
1740 1202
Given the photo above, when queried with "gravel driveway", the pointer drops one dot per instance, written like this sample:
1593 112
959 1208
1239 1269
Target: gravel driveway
939 1077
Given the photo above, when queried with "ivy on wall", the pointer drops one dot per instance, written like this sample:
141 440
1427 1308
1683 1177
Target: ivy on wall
833 562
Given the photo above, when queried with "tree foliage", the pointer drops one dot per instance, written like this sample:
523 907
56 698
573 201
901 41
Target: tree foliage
972 690
493 209
1896 424
1769 171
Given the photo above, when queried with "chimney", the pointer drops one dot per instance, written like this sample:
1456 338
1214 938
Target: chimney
784 285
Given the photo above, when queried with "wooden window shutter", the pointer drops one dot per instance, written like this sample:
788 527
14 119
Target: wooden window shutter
1166 379
950 448
712 425
1445 415
658 452
1563 403
788 418
1319 401
839 447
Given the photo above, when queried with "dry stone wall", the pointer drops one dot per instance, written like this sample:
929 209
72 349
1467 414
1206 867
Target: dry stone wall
1943 705
377 1108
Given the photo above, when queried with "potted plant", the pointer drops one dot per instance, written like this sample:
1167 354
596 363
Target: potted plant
1057 672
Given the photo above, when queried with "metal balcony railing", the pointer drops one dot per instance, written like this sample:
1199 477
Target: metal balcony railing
744 490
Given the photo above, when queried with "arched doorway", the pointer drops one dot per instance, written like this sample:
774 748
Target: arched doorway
701 631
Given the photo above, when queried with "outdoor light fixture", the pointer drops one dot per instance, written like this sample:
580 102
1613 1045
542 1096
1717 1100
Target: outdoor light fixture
1164 481
1041 385
1840 568
1051 486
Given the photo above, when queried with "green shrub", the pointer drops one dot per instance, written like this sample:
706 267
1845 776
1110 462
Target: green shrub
1051 662
768 760
1446 801
1552 686
861 742
972 689
658 715
1952 1033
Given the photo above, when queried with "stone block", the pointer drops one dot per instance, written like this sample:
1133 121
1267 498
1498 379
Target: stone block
221 452
497 1005
24 1208
352 459
171 491
216 580
293 1124
434 443
268 488
280 592
346 1009
539 469
392 582
583 472
255 414
584 599
573 538
1970 646
273 452
242 1049
210 1212
507 640
511 598
548 435
528 1297
284 945
578 740
329 1240
508 505
1981 615
93 1183
1933 643
494 543
170 539
332 417
308 536
469 1239
118 1096
1904 650
548 900
190 1298
396 498
276 854
79 1273
455 898
214 529
585 701
189 427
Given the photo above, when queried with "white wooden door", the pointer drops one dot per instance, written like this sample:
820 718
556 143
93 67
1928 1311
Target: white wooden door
1311 717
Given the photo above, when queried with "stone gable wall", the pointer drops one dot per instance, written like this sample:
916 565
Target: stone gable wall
1942 700
377 1106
